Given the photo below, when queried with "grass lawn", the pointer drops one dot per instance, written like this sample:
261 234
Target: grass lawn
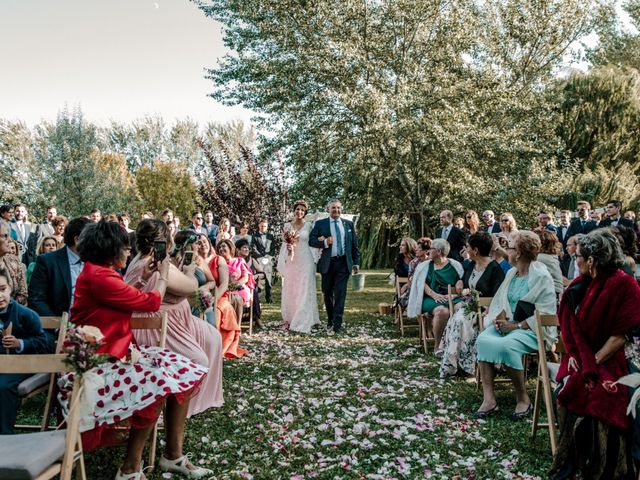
364 405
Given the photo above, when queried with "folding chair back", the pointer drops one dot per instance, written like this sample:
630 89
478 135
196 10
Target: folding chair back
544 383
50 453
247 314
400 313
41 382
483 302
157 321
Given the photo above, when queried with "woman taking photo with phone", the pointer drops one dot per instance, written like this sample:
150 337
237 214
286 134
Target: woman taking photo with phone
186 334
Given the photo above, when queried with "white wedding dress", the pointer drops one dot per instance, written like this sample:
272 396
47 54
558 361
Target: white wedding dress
299 301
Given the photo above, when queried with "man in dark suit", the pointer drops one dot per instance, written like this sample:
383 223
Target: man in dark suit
563 228
54 277
340 255
490 224
22 334
264 248
457 238
197 223
545 222
582 224
22 231
614 216
210 227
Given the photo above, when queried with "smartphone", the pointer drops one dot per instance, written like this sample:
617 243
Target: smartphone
188 258
159 250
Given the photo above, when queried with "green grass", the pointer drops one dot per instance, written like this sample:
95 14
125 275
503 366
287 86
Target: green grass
367 404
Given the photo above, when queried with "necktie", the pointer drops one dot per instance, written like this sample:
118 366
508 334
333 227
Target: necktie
338 238
582 222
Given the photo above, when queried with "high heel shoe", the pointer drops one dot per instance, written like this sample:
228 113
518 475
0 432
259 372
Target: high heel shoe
486 413
179 465
522 415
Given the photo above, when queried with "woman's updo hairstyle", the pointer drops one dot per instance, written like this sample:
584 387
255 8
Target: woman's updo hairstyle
301 203
183 239
101 243
149 231
528 244
603 246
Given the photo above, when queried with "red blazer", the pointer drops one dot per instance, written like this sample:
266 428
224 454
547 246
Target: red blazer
102 299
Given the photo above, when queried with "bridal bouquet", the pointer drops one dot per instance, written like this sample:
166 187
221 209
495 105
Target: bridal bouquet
470 299
81 346
290 238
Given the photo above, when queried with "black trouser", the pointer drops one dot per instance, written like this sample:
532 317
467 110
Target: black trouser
334 290
9 401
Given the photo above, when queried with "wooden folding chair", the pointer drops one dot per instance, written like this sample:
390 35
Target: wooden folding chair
425 321
400 313
545 384
483 302
42 382
43 455
159 322
247 314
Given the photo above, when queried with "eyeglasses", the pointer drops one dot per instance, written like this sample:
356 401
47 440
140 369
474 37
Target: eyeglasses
198 218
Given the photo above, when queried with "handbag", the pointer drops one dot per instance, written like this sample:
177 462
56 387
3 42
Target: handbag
523 311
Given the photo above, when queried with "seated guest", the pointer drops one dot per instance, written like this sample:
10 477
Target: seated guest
27 337
243 235
14 268
239 274
104 300
53 280
429 293
45 245
627 239
483 275
490 224
187 335
510 325
14 248
499 251
406 254
422 253
226 316
597 310
59 223
508 224
550 248
471 222
243 250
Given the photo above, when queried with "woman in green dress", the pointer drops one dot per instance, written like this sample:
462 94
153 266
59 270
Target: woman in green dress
435 275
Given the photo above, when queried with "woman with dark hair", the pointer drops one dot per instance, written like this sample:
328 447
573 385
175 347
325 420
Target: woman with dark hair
627 238
550 248
59 223
509 331
243 235
297 266
471 222
406 254
243 251
226 316
597 310
127 396
239 275
186 334
485 276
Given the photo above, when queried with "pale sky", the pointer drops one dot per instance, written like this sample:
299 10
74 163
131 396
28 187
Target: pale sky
117 59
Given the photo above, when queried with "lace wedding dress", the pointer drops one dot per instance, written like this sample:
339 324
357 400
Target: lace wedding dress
298 271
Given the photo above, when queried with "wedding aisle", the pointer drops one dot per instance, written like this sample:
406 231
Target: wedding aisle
365 405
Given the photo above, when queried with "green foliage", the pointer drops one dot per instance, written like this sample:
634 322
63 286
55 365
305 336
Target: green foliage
404 108
167 185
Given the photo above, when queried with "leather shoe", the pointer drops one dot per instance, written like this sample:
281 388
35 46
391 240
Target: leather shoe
179 465
486 413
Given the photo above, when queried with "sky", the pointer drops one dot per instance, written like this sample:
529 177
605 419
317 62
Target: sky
116 59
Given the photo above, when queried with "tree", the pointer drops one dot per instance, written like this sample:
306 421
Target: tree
165 184
404 108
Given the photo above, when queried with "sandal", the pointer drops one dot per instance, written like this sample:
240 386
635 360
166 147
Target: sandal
139 475
522 415
486 413
181 465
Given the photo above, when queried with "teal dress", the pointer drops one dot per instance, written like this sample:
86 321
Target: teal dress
508 349
439 281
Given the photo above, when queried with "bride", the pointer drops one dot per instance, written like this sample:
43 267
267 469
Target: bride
297 266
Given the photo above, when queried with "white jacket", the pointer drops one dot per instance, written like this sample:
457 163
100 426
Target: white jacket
416 294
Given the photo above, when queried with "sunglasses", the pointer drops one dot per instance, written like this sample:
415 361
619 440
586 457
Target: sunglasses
504 220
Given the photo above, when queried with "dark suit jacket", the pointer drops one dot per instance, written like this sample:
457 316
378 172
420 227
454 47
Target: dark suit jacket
212 232
50 286
562 239
496 228
489 281
457 239
624 222
322 228
259 249
576 227
27 327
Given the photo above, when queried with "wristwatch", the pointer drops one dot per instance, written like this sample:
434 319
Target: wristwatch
520 326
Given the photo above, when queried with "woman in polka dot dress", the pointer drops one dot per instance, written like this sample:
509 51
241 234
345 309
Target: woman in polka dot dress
131 389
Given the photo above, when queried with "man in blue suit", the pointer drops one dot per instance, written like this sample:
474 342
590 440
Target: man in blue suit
54 276
340 255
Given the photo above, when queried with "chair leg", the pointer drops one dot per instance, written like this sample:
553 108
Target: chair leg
551 418
250 319
152 446
536 411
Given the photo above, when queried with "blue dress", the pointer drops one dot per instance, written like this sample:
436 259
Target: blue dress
493 347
